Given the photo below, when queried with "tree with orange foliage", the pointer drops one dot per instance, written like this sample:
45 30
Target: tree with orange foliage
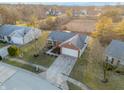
103 29
119 29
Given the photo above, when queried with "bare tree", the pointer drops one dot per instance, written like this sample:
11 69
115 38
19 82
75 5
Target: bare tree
97 57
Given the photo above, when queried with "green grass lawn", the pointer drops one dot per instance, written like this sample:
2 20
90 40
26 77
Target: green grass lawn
23 66
29 50
91 73
42 59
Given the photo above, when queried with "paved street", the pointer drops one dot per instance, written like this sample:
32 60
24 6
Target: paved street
17 79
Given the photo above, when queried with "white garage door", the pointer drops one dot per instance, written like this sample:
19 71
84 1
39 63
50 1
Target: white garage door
70 52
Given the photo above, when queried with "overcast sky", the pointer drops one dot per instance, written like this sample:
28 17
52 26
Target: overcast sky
82 3
69 3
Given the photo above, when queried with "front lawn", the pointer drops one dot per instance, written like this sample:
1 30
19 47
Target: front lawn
42 59
31 48
72 86
91 73
23 66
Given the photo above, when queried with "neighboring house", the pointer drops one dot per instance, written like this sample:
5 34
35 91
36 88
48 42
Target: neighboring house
53 12
70 43
83 12
75 13
94 13
115 53
18 34
79 13
4 51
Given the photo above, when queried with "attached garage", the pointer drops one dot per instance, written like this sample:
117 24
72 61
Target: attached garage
69 49
74 46
70 52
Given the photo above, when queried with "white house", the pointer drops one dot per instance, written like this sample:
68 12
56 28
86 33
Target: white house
74 46
18 34
69 43
53 12
4 51
79 13
83 12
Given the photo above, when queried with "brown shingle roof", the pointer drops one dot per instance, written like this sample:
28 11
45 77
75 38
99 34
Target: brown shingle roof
70 45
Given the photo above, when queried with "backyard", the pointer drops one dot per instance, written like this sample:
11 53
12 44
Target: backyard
33 47
91 73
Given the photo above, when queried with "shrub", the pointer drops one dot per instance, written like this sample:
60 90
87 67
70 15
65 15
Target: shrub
120 70
0 58
13 51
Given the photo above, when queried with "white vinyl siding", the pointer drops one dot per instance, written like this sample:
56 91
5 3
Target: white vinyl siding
4 51
31 35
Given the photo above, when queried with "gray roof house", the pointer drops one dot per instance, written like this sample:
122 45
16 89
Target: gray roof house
18 34
115 51
70 43
77 40
60 35
14 78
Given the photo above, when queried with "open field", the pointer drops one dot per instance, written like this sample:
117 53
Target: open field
92 73
81 25
30 49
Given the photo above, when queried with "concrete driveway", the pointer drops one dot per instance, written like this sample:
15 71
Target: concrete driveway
62 66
